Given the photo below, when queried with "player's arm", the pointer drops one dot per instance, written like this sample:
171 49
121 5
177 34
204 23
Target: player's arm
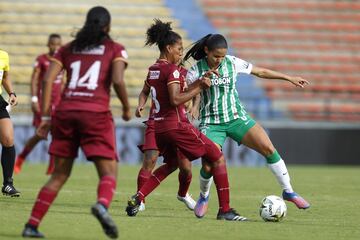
143 96
177 98
270 74
117 77
34 86
194 112
50 76
9 88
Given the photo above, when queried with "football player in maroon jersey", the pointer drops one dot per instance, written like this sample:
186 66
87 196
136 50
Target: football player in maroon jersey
93 62
41 65
176 138
151 153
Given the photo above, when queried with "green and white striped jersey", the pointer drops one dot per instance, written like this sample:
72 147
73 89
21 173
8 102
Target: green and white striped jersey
220 103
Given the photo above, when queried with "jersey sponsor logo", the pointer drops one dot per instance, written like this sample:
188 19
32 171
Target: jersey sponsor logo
220 81
154 74
176 74
94 51
79 94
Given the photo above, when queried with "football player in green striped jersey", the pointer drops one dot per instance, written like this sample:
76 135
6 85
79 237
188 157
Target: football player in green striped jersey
222 115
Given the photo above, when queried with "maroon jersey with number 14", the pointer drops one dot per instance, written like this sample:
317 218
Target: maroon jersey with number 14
88 76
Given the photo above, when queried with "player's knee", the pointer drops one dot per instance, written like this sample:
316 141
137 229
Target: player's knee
7 141
56 181
219 162
267 150
60 176
149 163
185 170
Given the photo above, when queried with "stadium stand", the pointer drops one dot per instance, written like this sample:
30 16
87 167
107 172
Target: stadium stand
25 26
318 40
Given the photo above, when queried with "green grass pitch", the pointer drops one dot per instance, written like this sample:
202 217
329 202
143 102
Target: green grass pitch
334 193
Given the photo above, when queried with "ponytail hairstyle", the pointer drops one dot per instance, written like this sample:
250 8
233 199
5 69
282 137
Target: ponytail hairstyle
161 34
92 34
211 41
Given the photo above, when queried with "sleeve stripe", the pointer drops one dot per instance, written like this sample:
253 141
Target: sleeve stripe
120 59
175 81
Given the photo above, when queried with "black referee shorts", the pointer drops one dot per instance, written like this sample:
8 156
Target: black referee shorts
3 112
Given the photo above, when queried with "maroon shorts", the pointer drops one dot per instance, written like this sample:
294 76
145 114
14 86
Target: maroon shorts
94 132
186 141
149 137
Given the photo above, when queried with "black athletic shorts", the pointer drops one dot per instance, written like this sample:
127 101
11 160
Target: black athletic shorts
3 112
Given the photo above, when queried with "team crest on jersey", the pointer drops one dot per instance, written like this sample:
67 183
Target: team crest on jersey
176 74
154 74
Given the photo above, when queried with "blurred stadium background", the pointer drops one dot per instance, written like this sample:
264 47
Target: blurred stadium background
316 39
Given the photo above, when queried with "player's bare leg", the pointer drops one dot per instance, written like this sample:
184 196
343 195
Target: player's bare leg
29 145
47 195
256 138
107 171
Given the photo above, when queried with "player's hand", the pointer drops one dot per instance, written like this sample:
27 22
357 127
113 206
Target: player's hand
205 82
44 128
138 112
35 107
299 81
13 100
126 116
194 113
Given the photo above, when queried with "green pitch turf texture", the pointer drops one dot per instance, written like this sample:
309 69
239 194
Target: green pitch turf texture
334 193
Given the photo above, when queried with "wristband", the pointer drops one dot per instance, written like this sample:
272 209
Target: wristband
45 118
12 93
34 99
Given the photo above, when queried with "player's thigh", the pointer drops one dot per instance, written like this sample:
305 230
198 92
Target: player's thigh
6 132
65 138
149 137
238 128
183 163
256 138
215 132
62 172
106 167
63 166
97 135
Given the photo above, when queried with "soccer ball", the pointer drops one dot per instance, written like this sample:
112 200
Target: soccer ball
273 209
